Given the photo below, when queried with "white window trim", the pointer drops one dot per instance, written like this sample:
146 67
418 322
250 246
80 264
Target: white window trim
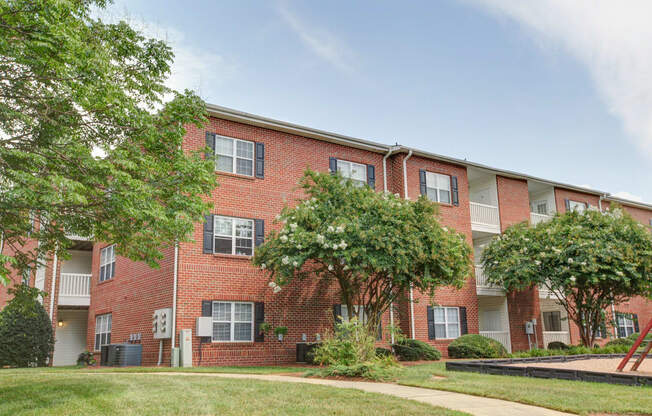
584 205
103 317
446 322
233 322
361 314
627 323
351 166
233 236
107 262
437 189
235 156
535 206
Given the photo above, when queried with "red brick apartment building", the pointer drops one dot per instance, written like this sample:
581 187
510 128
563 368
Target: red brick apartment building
97 298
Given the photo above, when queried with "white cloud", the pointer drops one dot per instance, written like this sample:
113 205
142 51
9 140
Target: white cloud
613 39
628 196
318 40
194 68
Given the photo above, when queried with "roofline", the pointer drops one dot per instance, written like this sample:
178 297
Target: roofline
299 130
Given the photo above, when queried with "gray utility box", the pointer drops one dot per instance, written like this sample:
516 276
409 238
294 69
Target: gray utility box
122 355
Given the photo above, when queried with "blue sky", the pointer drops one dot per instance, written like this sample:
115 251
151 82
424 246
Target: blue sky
556 89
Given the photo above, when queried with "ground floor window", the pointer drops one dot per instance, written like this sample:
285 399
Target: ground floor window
447 322
233 321
358 311
102 330
552 321
625 325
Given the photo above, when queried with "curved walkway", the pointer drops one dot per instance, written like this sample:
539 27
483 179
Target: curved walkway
475 405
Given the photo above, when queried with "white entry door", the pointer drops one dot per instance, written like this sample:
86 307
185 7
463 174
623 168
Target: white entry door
70 339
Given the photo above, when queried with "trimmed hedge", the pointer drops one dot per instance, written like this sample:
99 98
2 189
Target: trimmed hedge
557 345
476 346
415 350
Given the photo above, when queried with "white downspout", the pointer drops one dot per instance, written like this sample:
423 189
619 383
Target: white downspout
391 305
405 193
54 282
174 296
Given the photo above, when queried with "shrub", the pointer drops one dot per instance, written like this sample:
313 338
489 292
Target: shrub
476 346
86 358
572 350
350 352
620 342
383 352
25 330
415 350
557 345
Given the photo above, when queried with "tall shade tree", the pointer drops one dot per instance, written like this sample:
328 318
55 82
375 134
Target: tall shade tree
375 246
90 137
588 260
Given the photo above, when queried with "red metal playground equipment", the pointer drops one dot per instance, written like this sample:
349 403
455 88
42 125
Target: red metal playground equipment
637 344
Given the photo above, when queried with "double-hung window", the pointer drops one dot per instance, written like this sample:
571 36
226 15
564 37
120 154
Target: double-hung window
447 322
358 312
540 207
102 330
577 206
234 156
552 321
26 276
438 187
107 263
625 325
233 322
233 236
356 172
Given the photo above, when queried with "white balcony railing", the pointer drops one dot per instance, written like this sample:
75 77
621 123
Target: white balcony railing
558 336
75 289
537 218
485 217
500 336
482 285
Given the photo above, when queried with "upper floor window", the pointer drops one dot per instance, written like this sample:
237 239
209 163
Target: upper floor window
102 330
576 206
233 236
107 263
540 207
26 276
234 156
438 187
357 172
233 321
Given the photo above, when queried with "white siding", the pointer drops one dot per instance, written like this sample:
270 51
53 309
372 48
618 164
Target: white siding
71 337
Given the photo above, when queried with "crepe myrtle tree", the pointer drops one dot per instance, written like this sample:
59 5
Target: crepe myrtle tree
90 136
374 245
587 260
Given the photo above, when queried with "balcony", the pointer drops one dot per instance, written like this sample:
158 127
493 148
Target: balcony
555 336
483 287
500 336
75 289
537 218
484 218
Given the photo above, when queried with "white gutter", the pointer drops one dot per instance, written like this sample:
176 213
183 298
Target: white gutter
405 193
174 296
54 282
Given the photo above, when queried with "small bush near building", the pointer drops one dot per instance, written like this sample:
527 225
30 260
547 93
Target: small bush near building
350 352
26 338
415 350
573 350
86 358
476 346
383 352
620 342
557 345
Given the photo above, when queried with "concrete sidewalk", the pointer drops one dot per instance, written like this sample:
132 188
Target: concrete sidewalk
475 405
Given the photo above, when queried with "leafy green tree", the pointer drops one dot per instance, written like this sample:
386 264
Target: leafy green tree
374 245
90 137
26 337
588 260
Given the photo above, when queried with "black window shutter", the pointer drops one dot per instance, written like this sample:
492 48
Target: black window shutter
210 143
337 313
464 328
379 337
259 225
422 182
259 318
332 165
371 176
635 319
260 160
650 222
208 234
567 202
431 323
454 191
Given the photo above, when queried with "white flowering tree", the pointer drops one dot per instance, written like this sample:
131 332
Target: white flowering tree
373 245
588 261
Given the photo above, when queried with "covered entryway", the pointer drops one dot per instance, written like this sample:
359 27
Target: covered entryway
70 337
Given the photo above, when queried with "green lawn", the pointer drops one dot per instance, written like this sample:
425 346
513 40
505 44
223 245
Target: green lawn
232 370
62 392
570 396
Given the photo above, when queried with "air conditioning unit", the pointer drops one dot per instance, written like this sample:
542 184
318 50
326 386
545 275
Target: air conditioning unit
204 326
122 355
